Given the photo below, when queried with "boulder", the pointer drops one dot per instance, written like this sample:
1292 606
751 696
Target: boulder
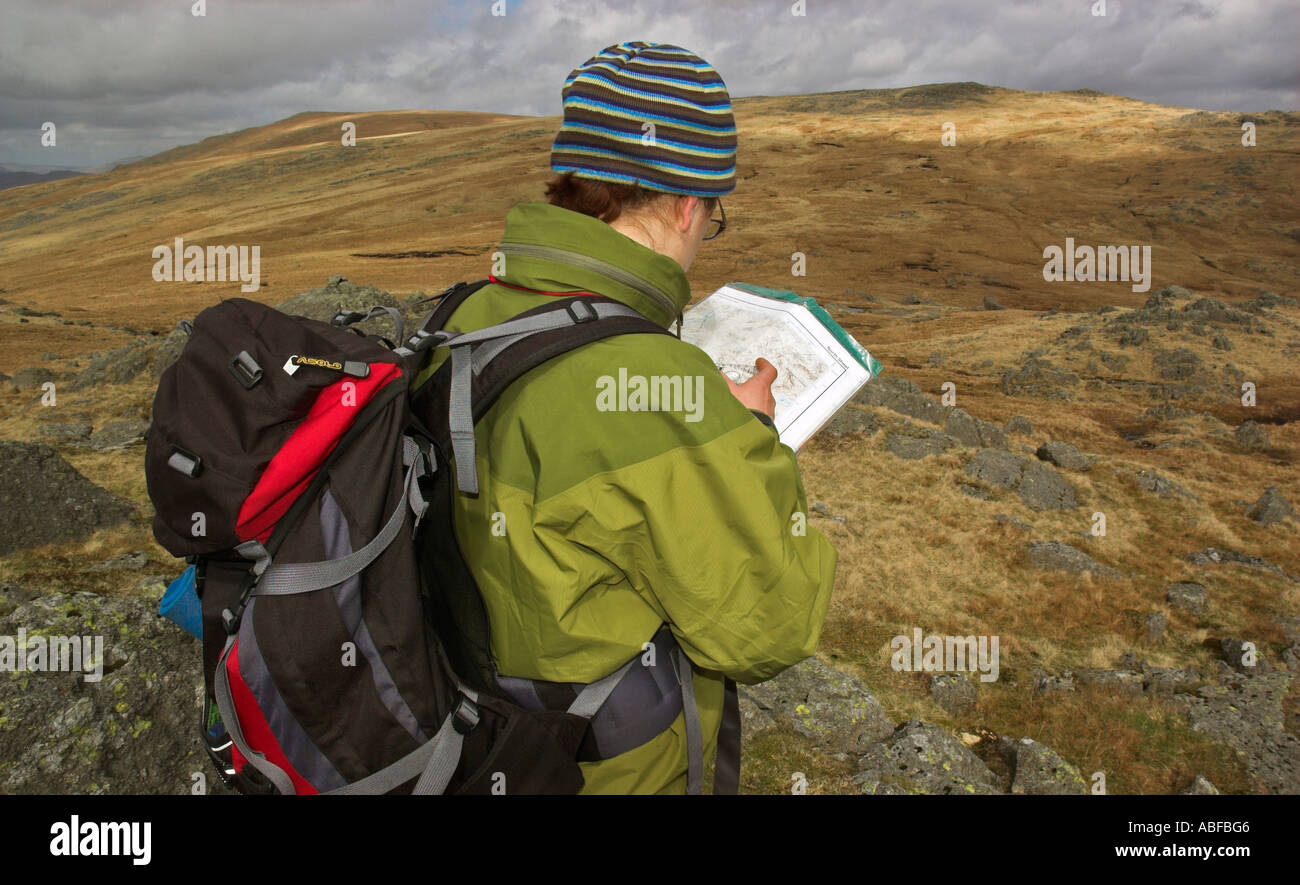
902 396
1038 377
971 431
1040 771
1055 556
43 500
996 467
924 759
832 708
1042 488
1251 437
916 447
132 731
31 377
851 419
1199 786
1272 507
1062 454
953 692
1188 596
119 434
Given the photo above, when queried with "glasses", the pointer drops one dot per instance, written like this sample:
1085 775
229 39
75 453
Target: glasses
717 225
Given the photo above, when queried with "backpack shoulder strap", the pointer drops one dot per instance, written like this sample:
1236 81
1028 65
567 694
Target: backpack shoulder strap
485 362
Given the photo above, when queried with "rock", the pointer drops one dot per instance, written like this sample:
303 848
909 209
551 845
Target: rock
1211 556
118 435
1199 787
1042 488
1166 681
31 377
169 350
1014 522
1251 437
1188 596
135 560
851 419
1062 454
1235 653
902 396
64 431
116 367
913 447
828 706
1249 716
1044 681
1040 771
971 431
953 692
1056 556
1038 377
43 500
991 303
924 759
324 302
1272 507
1156 484
1019 424
996 467
1155 626
133 731
1124 681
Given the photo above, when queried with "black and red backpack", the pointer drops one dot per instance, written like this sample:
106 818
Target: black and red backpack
344 647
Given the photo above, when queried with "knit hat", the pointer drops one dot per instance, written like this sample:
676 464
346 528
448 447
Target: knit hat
610 98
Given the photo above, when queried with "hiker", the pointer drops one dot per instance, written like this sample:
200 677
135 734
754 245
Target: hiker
606 529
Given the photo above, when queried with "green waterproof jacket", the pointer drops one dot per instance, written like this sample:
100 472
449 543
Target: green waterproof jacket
610 523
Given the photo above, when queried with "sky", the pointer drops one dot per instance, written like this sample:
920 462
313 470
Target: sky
129 78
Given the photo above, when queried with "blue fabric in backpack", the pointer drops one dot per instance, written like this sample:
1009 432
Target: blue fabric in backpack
180 604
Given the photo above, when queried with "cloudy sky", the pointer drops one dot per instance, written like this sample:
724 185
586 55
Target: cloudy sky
124 78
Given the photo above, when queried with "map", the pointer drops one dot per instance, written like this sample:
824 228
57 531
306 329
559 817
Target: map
816 372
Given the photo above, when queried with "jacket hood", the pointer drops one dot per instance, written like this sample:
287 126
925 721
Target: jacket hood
558 250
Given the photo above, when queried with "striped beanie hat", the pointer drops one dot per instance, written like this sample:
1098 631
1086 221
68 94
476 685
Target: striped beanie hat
608 101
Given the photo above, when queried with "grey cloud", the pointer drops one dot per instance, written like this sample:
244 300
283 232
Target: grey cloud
138 77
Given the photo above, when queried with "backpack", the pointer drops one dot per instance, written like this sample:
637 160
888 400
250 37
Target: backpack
344 641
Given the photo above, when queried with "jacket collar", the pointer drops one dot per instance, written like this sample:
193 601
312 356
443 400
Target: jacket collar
552 249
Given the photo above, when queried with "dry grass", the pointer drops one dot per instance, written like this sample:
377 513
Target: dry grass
888 212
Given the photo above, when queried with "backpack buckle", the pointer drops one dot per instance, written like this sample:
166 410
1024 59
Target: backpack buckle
246 370
466 715
585 315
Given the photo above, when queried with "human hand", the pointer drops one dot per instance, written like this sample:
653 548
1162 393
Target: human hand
756 393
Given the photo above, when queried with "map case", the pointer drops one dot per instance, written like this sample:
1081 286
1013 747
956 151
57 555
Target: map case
819 365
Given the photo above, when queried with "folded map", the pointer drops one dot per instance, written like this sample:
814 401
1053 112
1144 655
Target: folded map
819 365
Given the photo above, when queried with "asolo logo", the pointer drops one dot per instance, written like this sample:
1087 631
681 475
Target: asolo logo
316 361
292 364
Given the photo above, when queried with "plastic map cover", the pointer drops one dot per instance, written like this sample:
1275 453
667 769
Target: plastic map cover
819 365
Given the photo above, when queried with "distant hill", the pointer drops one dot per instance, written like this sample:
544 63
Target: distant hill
14 178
